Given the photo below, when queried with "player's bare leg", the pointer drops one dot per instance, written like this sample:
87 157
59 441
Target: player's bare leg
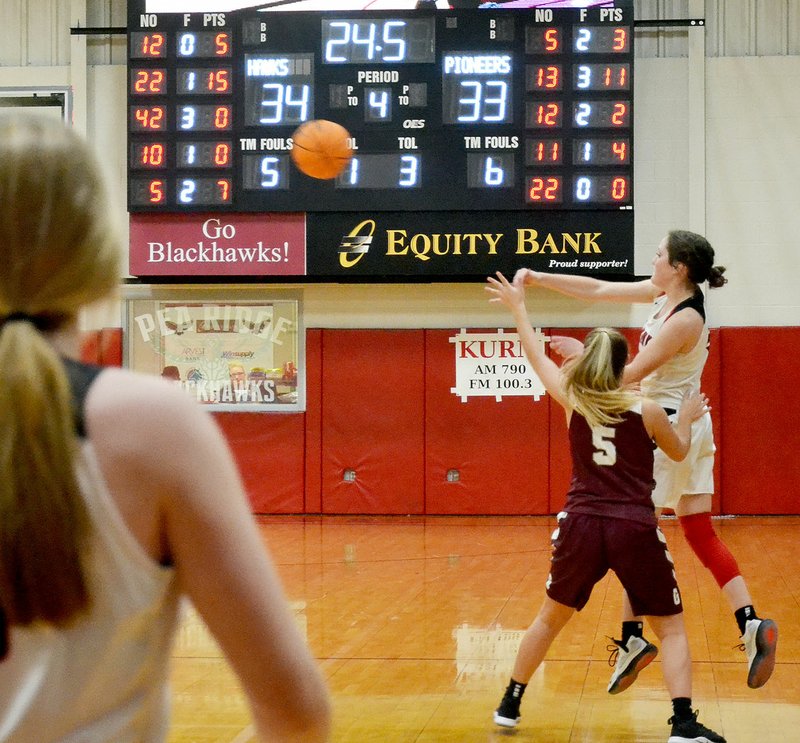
534 645
676 664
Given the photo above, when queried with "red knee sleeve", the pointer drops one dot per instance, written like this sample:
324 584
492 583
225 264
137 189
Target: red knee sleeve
709 547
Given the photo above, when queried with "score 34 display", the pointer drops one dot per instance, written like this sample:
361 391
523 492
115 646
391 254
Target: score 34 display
487 109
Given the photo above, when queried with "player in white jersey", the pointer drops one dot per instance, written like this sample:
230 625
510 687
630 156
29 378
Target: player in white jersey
118 495
672 352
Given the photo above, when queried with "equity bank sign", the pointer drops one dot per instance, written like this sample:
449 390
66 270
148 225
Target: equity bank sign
381 245
424 247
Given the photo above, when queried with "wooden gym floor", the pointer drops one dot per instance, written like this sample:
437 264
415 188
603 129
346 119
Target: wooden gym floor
416 621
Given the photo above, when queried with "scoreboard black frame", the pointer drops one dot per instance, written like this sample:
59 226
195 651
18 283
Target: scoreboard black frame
448 110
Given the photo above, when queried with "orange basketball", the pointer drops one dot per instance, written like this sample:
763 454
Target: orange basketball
321 148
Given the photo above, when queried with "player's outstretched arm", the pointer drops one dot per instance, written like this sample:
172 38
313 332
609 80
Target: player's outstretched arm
589 289
513 297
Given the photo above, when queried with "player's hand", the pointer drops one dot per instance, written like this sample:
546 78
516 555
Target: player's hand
525 277
565 346
694 406
511 295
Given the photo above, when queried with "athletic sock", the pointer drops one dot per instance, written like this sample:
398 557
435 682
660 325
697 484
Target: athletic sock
631 629
743 616
682 708
515 690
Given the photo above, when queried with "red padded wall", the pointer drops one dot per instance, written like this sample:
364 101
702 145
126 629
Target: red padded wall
760 414
269 450
90 347
373 421
712 386
560 461
500 449
111 346
379 402
313 438
102 347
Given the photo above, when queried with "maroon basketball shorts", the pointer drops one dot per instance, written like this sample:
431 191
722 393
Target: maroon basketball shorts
586 547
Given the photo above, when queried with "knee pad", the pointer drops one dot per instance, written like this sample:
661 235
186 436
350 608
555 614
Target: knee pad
709 548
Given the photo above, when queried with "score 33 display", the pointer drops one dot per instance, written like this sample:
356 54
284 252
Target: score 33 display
483 109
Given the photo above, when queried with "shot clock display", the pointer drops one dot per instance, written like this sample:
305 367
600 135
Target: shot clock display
479 109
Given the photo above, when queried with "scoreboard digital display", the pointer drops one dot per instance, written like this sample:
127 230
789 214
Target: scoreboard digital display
448 110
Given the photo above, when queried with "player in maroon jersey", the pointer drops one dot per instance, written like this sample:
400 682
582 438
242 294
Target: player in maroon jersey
609 521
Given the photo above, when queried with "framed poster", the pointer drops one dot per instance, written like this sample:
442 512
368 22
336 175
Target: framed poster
232 349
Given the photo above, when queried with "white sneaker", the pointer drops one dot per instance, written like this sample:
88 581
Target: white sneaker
630 659
506 722
759 641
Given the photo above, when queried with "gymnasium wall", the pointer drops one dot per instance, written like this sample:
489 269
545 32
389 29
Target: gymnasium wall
395 424
379 406
716 151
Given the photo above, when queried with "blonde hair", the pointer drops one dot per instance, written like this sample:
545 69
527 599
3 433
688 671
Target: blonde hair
593 381
59 250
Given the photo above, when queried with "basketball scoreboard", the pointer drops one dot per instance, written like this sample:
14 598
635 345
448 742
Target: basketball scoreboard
481 109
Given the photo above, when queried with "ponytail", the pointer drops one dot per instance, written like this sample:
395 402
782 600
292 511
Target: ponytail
592 381
43 519
715 277
59 251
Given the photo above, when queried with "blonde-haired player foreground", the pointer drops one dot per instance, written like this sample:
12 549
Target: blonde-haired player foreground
609 521
118 495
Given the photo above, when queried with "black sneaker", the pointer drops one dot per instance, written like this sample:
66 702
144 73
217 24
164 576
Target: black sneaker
507 714
691 731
